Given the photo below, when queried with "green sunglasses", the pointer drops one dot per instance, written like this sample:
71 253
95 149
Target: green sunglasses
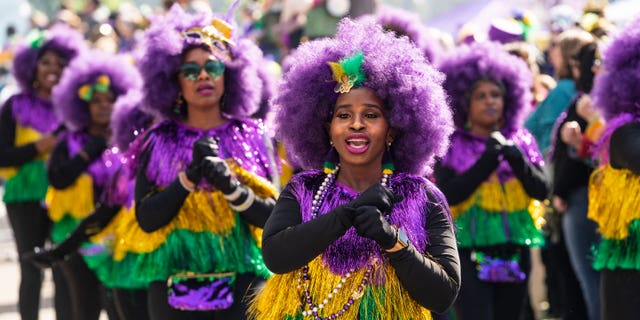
191 70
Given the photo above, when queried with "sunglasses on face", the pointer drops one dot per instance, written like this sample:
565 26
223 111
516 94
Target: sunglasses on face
191 70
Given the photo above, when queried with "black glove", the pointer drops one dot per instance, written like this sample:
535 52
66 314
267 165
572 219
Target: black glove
494 144
378 196
203 147
43 258
218 175
94 147
371 223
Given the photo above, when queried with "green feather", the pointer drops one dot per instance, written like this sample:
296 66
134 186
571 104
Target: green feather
352 67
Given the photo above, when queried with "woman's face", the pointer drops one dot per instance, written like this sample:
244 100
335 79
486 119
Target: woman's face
48 70
201 78
486 105
100 108
359 129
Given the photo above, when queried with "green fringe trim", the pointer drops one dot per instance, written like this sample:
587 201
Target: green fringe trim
203 252
29 184
115 274
620 254
63 228
489 229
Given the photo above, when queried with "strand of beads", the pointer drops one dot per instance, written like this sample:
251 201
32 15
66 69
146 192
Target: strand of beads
314 310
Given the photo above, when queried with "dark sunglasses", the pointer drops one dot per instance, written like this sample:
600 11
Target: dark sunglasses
191 70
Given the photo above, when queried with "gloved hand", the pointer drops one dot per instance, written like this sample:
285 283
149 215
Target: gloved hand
43 258
94 147
378 196
218 175
507 148
371 223
203 147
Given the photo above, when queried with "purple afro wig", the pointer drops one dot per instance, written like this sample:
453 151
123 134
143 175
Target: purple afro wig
470 63
60 38
617 90
396 70
267 74
128 120
163 47
72 110
405 23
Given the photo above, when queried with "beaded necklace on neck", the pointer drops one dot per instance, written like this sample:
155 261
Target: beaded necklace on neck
307 305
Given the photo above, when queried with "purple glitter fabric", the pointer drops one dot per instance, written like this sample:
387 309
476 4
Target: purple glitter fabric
499 270
169 146
352 250
101 170
32 111
201 294
467 148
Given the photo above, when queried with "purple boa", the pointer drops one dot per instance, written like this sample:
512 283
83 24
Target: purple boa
168 148
35 112
352 250
101 170
466 150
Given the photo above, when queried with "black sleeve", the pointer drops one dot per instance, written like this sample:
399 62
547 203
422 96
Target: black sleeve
530 175
63 171
624 147
258 213
10 155
155 208
432 280
458 187
90 226
288 244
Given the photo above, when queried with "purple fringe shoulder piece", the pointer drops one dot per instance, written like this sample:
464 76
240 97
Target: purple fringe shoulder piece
101 170
168 148
466 150
35 112
352 250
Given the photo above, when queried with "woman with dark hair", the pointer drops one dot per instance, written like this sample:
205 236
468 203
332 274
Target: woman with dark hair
614 189
202 187
363 236
572 167
28 127
492 178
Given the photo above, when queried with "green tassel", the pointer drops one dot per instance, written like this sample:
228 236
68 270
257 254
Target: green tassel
63 228
620 254
489 229
29 184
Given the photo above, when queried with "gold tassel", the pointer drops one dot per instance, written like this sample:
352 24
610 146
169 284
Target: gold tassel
280 297
495 197
76 200
24 136
614 200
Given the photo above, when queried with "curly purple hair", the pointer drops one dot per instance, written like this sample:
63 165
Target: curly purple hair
470 63
72 110
397 71
163 47
405 23
60 38
128 120
617 90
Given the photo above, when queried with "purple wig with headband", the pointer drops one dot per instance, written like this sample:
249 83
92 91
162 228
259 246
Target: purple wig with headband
487 61
617 89
163 49
60 38
81 78
405 23
128 120
415 103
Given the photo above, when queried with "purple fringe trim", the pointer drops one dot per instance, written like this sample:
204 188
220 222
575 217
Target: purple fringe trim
101 170
35 112
466 150
352 250
169 144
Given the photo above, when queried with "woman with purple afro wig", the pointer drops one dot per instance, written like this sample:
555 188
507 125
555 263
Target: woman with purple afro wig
28 127
614 190
371 106
81 167
202 188
492 176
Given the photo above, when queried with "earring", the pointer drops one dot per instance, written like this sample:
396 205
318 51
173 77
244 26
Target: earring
330 160
467 126
36 84
177 109
387 160
331 143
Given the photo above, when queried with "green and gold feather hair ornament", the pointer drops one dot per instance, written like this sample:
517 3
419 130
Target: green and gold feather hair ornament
348 72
